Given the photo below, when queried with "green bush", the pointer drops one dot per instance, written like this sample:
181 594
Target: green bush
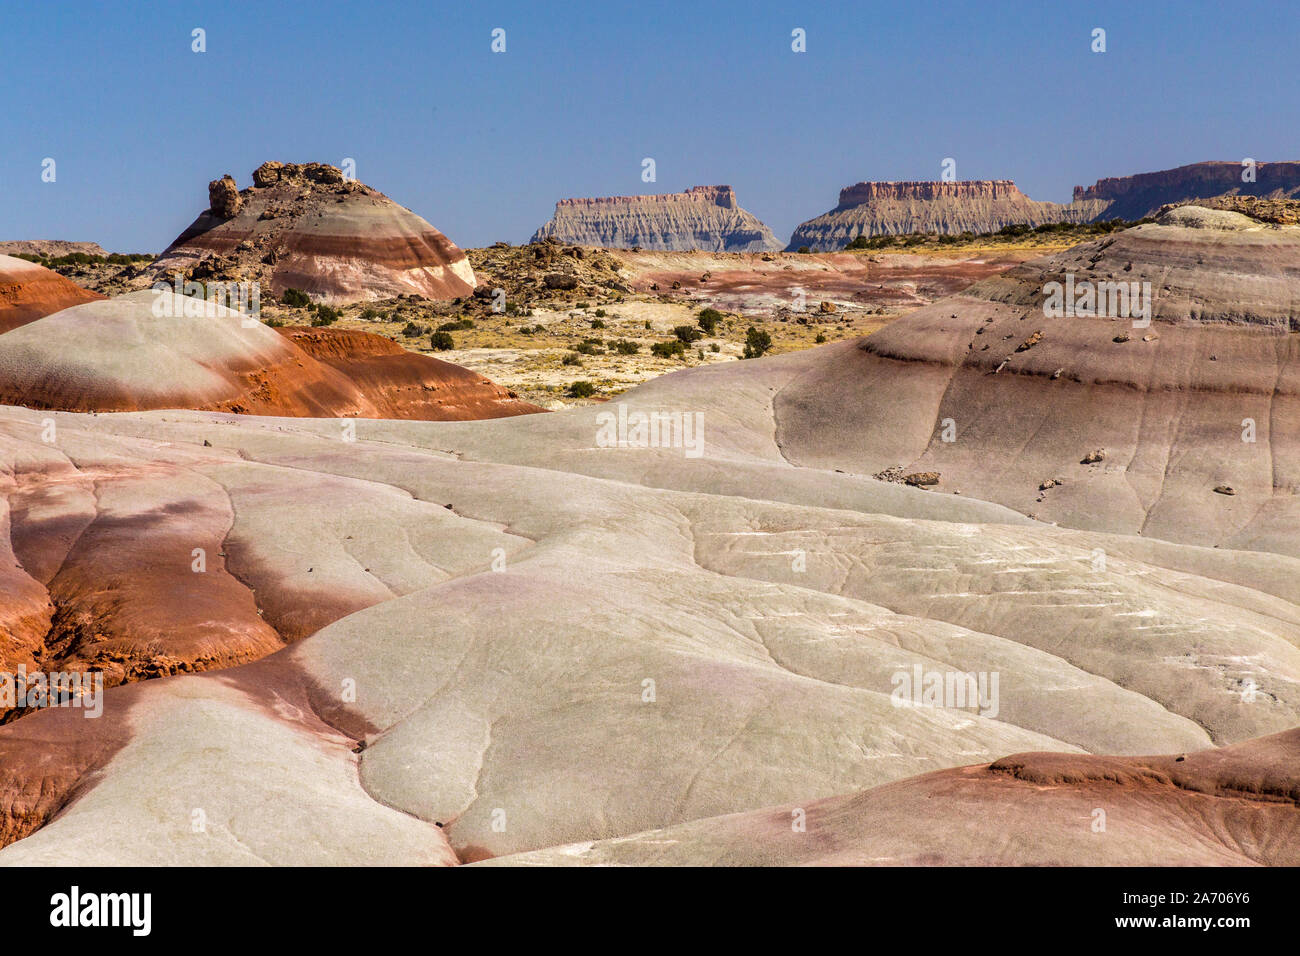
414 329
581 390
625 347
821 337
460 325
573 358
756 342
669 349
326 315
597 323
708 320
442 341
687 334
296 298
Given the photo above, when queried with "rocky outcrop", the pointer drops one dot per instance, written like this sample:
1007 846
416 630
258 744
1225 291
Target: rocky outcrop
706 218
899 208
307 227
223 197
29 291
1137 197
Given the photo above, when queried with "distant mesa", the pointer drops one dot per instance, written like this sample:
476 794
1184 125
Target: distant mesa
29 292
1137 197
50 248
705 218
121 354
900 208
982 206
308 227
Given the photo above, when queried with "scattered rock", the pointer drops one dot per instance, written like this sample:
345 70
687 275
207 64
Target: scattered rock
1030 342
921 478
1224 490
1093 457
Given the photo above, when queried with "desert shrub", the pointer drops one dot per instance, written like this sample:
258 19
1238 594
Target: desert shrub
668 349
821 337
581 390
625 347
686 334
597 324
414 329
590 347
804 250
756 342
1014 229
369 315
573 358
442 341
601 313
325 315
714 347
296 298
647 323
460 325
708 320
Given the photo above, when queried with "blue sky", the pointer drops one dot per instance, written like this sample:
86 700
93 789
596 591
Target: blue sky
482 144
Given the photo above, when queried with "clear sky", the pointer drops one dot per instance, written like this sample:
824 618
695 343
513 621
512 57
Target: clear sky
482 144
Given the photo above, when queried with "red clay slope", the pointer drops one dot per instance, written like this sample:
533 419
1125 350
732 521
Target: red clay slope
118 355
29 292
1235 806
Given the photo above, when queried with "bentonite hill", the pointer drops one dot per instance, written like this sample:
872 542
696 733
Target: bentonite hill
659 629
29 291
308 227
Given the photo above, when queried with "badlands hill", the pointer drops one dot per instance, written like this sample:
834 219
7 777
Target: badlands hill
307 227
1205 397
705 218
898 208
29 291
982 206
748 599
151 349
